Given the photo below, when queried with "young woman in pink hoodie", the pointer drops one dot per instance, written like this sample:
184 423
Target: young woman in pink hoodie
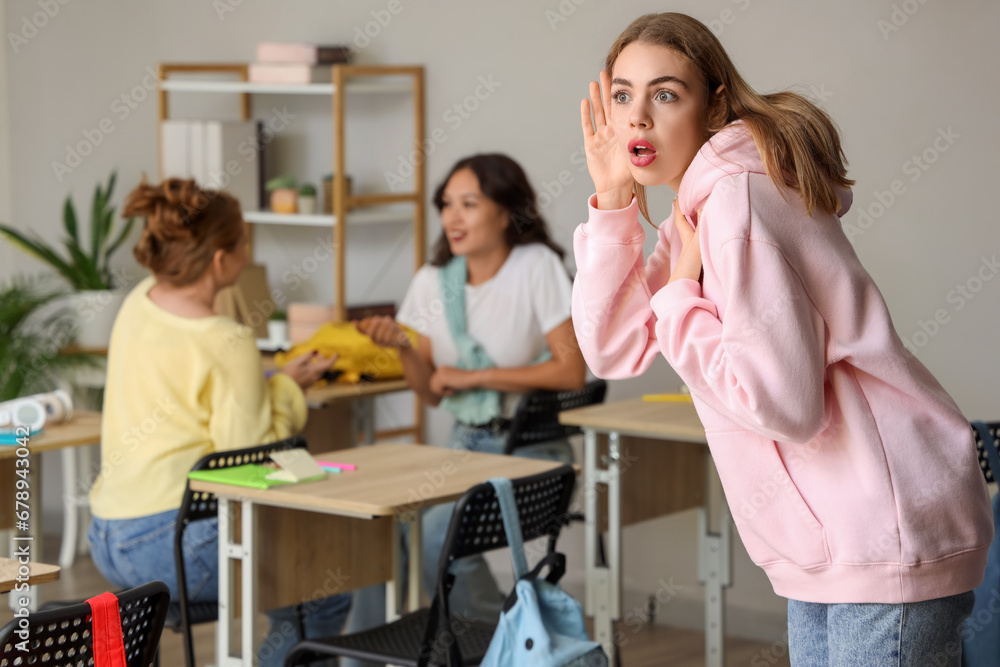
851 474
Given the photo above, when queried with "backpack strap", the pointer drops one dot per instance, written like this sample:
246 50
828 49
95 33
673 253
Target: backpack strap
990 447
511 524
109 645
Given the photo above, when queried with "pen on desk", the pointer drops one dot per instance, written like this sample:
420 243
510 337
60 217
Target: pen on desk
339 466
667 398
331 469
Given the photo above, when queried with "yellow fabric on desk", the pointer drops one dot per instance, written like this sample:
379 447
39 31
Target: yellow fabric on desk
179 389
358 354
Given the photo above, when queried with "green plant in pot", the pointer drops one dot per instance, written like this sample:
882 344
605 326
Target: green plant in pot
86 264
307 199
284 197
33 333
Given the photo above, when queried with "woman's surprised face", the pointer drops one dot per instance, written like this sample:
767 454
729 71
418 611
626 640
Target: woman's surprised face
657 112
473 223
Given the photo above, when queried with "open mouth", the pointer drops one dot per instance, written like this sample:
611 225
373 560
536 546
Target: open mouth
641 152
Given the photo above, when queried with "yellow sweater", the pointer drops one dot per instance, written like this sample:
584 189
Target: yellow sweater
179 389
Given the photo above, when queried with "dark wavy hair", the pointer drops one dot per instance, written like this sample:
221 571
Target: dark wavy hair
504 182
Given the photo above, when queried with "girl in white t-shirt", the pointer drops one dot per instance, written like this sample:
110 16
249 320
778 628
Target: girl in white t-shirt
517 315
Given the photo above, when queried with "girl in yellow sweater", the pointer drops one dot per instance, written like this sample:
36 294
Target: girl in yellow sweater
184 382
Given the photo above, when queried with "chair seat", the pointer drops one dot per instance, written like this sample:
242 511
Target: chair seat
399 642
199 612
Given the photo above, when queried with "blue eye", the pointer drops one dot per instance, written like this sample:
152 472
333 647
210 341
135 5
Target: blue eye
662 96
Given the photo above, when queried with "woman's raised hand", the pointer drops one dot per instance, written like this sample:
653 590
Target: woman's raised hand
607 162
383 331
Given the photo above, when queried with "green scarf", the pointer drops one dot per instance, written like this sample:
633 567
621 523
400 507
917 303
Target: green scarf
472 406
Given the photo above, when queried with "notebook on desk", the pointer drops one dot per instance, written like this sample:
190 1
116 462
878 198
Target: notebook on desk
252 475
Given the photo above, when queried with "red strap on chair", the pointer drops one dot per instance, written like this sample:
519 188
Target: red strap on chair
109 645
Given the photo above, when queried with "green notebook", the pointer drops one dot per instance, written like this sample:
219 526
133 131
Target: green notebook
251 474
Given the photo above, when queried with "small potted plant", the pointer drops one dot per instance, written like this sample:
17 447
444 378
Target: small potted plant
277 330
307 199
284 196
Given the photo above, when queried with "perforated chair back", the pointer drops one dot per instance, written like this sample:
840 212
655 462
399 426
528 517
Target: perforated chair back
62 637
994 428
537 417
200 505
477 525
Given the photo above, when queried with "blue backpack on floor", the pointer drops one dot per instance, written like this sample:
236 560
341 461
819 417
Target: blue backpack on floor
981 635
541 625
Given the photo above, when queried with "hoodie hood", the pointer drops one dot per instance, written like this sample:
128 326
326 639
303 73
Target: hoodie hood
731 151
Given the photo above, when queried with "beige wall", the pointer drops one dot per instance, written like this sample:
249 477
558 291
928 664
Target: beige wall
893 91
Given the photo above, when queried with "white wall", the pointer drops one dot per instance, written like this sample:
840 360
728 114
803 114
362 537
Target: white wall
892 94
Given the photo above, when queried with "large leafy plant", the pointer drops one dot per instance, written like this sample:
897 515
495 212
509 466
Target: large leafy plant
84 268
33 333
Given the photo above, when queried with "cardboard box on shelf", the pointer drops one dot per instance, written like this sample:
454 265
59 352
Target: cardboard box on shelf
249 300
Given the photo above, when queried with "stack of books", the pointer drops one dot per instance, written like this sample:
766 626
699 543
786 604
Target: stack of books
296 63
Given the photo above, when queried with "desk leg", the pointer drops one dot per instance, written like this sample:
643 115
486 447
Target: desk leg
364 418
229 553
714 571
394 588
603 582
416 559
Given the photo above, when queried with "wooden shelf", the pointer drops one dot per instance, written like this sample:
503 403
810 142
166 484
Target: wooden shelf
189 86
373 216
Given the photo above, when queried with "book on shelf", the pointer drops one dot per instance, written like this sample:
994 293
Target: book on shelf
290 73
307 54
214 153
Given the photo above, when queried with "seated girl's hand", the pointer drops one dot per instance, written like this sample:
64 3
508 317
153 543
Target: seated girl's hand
383 331
308 368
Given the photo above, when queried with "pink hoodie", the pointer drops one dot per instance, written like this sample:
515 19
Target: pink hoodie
851 474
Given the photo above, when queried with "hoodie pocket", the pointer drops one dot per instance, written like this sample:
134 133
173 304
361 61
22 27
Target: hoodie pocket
774 522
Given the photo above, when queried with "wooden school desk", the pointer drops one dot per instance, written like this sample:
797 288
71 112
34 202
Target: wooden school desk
306 539
38 573
656 463
84 428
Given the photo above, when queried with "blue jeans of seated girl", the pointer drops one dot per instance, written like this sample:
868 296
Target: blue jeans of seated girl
913 634
132 552
475 593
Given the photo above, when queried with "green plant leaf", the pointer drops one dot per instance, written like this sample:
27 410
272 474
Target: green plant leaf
42 252
89 273
96 215
69 219
129 224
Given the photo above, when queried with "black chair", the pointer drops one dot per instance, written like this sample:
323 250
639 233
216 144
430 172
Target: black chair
197 506
537 417
435 636
62 637
984 463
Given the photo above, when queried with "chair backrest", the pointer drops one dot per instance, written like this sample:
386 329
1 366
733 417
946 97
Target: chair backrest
537 417
199 505
63 637
990 475
477 525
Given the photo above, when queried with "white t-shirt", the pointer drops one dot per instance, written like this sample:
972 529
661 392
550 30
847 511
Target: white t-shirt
509 314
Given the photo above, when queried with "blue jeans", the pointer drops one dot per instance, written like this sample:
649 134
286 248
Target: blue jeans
475 592
913 634
132 552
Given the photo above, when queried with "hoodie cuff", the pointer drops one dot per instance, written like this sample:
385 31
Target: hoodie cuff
613 226
674 293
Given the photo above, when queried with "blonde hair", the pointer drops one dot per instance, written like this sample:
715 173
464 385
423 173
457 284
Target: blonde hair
798 142
185 226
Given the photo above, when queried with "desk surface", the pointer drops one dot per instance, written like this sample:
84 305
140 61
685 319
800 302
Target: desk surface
39 573
334 391
83 429
635 417
391 478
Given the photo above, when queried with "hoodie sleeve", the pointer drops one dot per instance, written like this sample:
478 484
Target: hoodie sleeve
612 317
763 366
